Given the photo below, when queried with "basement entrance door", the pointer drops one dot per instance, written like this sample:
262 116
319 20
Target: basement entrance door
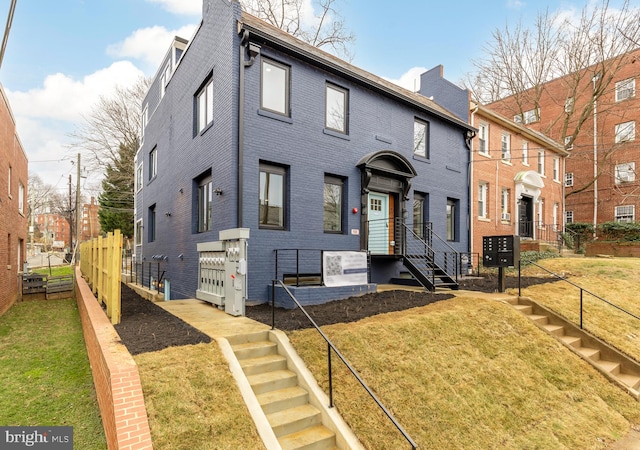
380 223
525 213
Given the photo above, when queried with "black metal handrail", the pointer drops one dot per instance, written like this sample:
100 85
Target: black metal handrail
330 347
582 291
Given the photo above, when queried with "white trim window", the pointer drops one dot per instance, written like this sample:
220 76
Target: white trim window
525 153
625 89
504 205
483 138
164 79
153 163
541 162
139 177
20 197
527 117
556 168
204 106
506 147
626 132
540 213
556 209
143 122
483 196
625 213
568 217
568 105
568 142
568 179
205 203
625 173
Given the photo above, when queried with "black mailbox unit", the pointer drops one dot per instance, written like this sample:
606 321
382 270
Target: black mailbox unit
500 251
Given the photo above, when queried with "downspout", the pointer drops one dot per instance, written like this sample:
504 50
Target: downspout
253 51
471 188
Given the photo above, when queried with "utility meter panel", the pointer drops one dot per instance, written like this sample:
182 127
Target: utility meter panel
500 251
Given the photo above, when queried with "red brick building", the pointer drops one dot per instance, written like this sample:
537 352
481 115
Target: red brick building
90 222
55 231
516 181
594 112
13 206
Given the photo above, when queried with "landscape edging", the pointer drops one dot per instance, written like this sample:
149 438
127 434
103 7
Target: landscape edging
115 376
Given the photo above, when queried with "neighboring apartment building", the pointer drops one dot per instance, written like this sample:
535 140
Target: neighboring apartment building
90 226
606 142
246 127
516 177
54 231
13 206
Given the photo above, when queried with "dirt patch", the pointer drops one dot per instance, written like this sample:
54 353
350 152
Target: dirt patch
146 327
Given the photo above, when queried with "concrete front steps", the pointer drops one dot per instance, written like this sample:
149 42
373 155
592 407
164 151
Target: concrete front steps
615 365
288 397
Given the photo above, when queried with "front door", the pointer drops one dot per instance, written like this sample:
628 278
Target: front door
380 227
525 213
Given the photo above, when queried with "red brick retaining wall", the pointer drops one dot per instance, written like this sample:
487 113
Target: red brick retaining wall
629 249
115 376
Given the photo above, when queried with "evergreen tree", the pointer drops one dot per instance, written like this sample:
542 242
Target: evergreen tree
116 199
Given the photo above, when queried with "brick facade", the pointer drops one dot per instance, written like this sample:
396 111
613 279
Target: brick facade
381 120
612 191
13 206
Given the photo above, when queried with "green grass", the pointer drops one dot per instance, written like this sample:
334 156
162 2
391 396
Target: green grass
55 271
45 377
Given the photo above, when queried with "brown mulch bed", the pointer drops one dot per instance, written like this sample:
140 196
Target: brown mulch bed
146 327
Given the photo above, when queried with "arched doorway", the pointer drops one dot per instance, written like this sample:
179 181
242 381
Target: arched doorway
529 185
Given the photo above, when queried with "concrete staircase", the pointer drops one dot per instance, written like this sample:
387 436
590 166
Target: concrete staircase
612 363
298 420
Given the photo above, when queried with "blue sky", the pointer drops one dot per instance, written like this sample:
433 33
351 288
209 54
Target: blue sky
63 54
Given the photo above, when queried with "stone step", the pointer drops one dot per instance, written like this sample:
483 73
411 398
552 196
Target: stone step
314 438
254 349
274 401
262 364
632 381
540 320
609 366
248 337
588 352
572 341
524 309
554 330
293 420
271 381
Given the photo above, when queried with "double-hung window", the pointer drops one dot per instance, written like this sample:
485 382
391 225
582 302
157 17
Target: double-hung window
625 89
205 201
20 197
419 213
336 109
483 196
420 138
556 168
625 213
153 163
625 173
506 147
541 162
333 204
626 132
568 179
568 217
483 138
452 219
504 204
525 153
273 199
274 87
204 106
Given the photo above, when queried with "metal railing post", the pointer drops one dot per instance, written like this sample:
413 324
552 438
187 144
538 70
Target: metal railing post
519 278
581 291
330 375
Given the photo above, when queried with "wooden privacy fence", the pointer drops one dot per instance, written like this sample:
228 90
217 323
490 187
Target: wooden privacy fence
100 264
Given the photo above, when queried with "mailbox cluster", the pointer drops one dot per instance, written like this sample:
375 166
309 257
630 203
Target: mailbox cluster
500 251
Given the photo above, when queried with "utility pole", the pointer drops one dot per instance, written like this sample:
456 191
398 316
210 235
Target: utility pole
78 214
70 219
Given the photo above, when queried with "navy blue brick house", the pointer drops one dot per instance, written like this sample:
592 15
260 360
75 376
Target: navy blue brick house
248 127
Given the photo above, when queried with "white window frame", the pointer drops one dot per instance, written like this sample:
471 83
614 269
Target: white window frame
204 106
525 153
483 138
527 117
205 204
569 105
143 122
568 142
556 168
164 79
420 138
504 204
20 197
556 209
153 163
138 232
568 179
568 217
483 197
505 147
625 89
625 173
540 213
139 177
625 213
541 163
625 132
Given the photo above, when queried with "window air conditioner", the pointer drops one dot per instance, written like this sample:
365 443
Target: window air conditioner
506 216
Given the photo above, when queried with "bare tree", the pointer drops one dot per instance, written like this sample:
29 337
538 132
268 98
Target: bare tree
324 29
113 121
586 52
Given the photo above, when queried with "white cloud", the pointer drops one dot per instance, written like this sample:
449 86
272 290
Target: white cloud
149 44
186 7
515 4
410 79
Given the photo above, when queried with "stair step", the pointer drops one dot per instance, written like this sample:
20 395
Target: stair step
609 366
591 353
313 438
540 320
262 364
572 341
554 330
632 381
293 420
248 337
524 309
254 349
277 400
271 381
